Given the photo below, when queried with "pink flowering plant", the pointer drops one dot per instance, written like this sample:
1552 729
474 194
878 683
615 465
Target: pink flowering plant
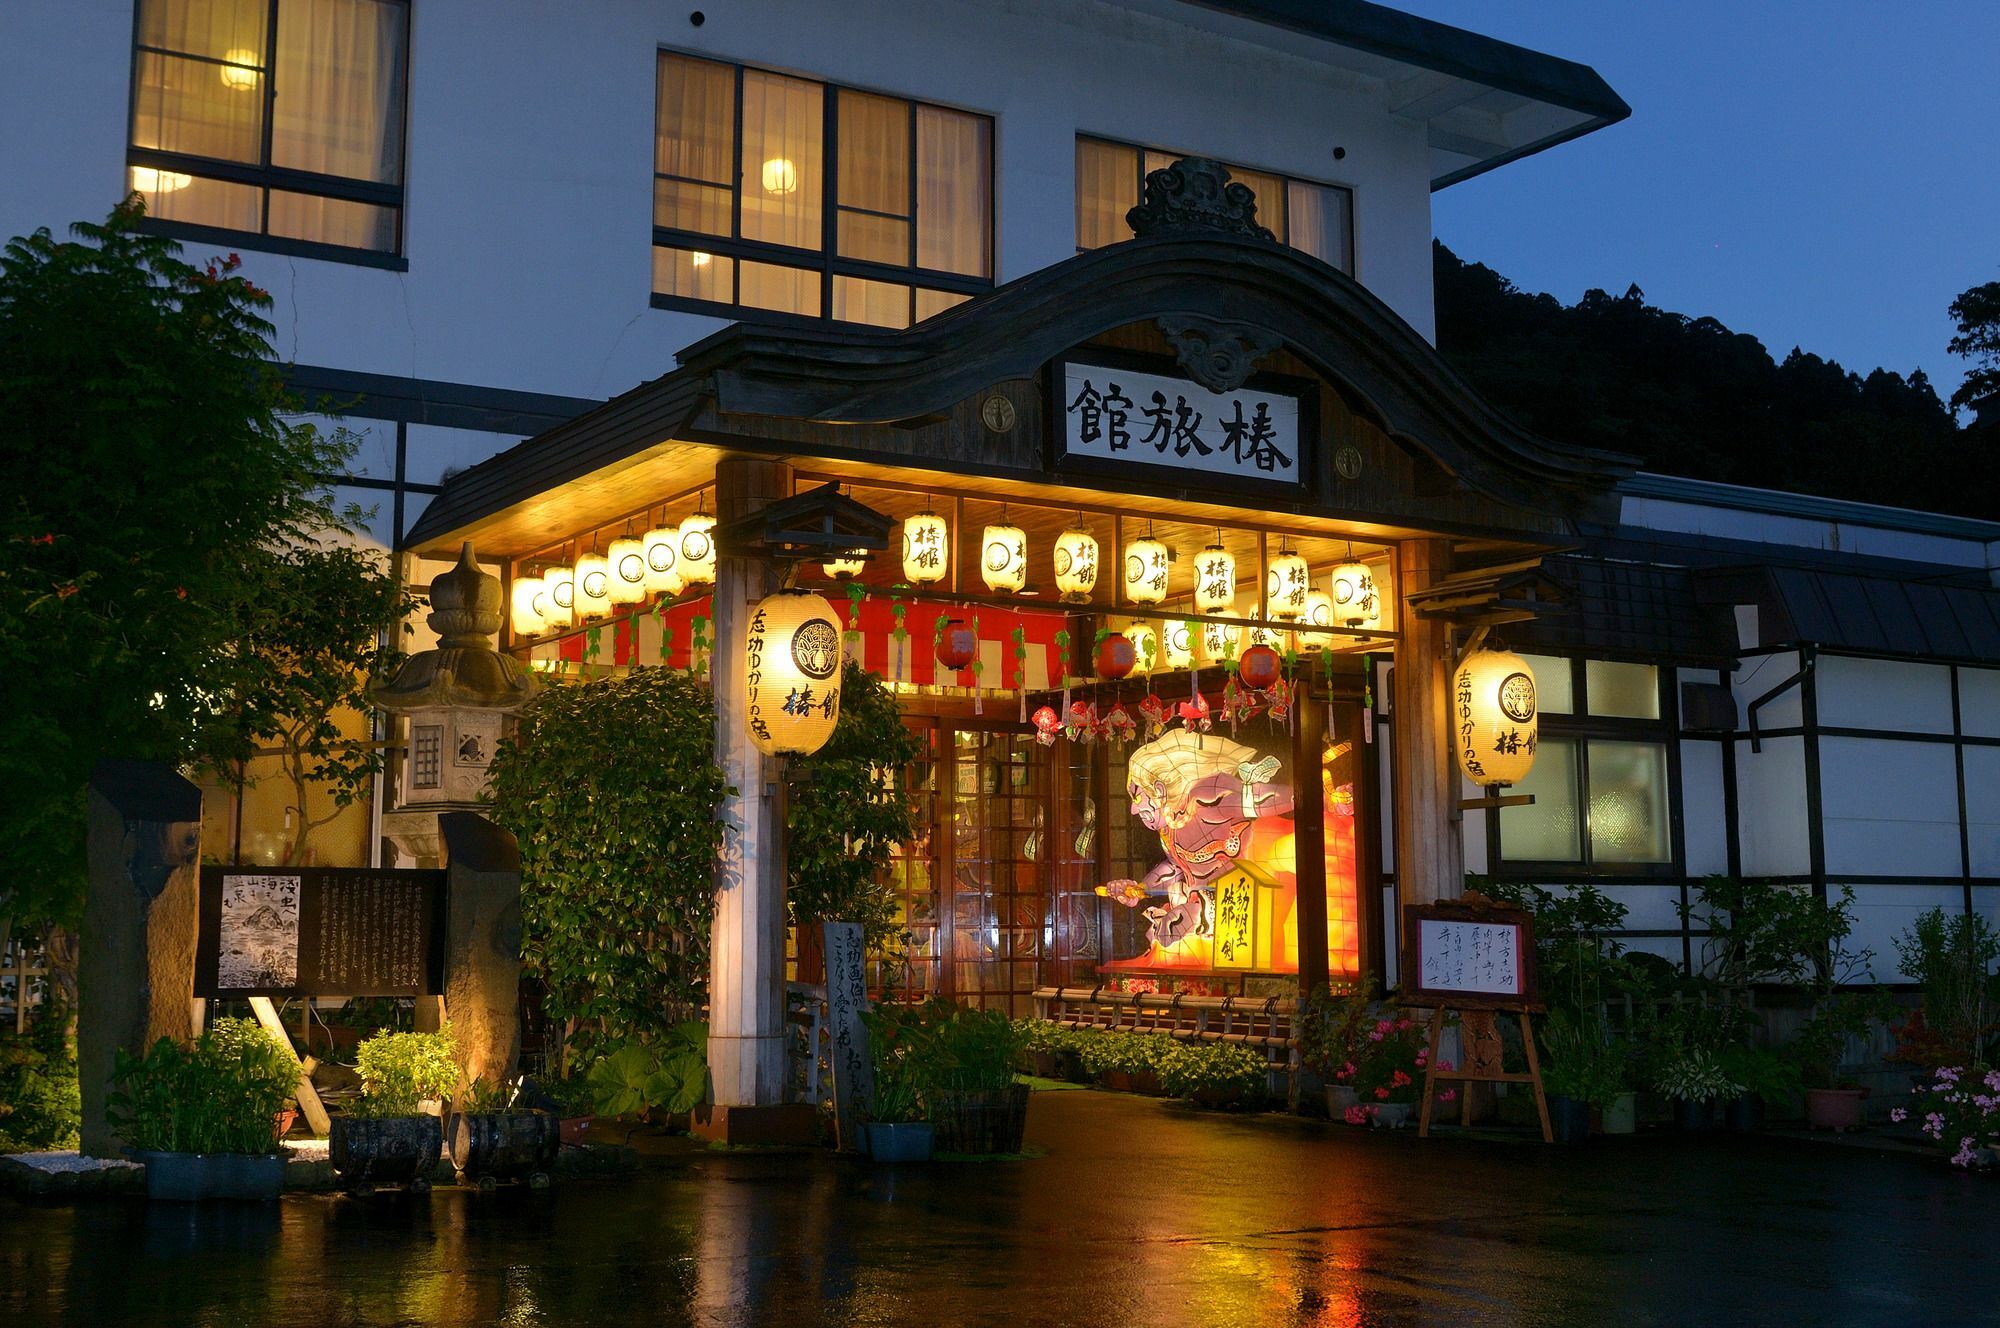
1388 1062
1958 1110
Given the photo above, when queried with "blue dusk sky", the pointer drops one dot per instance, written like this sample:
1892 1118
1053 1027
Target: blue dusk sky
1816 173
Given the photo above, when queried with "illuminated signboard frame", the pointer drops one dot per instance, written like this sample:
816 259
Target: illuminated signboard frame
1526 994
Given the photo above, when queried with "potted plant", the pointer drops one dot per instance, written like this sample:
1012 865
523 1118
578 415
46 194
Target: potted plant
202 1117
1951 956
970 1087
903 1052
1581 1074
495 1138
1330 1021
1212 1074
1764 1076
665 1079
393 1133
1833 1100
1389 1067
1123 1062
1693 1077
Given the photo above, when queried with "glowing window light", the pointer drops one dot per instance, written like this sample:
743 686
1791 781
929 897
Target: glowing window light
239 70
779 176
147 180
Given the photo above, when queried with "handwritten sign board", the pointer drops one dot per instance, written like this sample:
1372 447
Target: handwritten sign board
1110 418
846 999
320 931
1463 955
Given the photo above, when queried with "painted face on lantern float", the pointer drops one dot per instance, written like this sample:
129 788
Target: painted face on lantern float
1203 794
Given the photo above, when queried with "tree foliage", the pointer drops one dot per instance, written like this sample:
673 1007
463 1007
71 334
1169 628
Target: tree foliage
1690 397
611 789
1976 313
158 508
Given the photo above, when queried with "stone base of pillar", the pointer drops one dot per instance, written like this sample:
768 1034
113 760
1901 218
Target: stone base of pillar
791 1124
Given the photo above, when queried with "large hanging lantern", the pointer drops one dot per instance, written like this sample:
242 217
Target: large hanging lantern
1319 612
926 549
662 548
1494 724
1076 565
1260 667
697 549
1286 586
791 667
1218 642
627 557
1146 565
1145 645
561 583
1003 559
957 645
1177 643
1215 580
1116 657
593 586
1355 603
846 567
528 597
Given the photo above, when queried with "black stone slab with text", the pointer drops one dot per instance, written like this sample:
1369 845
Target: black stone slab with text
320 931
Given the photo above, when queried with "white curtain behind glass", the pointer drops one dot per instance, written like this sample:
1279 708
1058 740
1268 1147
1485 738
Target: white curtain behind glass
783 167
339 104
1106 176
954 192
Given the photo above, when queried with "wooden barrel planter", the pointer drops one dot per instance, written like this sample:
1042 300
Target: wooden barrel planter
489 1147
989 1122
387 1150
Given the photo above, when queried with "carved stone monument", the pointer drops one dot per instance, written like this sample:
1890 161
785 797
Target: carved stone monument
482 952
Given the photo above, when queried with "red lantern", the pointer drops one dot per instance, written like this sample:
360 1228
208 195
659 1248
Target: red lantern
1115 656
1260 667
958 645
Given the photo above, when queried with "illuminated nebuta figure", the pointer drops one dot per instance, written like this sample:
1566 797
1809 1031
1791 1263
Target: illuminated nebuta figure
1213 803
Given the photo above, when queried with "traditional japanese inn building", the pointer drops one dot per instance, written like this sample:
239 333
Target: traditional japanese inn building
1078 352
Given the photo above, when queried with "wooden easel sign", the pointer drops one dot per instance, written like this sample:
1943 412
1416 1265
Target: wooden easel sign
1478 958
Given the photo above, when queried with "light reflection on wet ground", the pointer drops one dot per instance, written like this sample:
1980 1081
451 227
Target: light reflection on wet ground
1142 1212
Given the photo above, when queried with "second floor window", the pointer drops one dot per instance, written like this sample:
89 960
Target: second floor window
1110 177
272 118
780 193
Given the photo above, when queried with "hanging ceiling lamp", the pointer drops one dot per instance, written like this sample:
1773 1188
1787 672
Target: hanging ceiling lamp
846 567
661 547
697 546
1286 586
1215 579
528 599
1355 603
561 583
1076 563
791 671
1146 566
627 557
1494 721
926 548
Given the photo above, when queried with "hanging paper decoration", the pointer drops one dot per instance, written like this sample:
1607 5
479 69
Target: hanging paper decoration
1076 565
1286 586
1115 656
526 615
1021 667
1355 603
1080 722
926 549
1259 667
1494 719
1238 702
1194 713
1177 643
661 547
697 549
791 667
593 586
1119 726
1004 558
1146 570
1156 714
1215 580
627 557
957 644
1280 698
1047 726
561 581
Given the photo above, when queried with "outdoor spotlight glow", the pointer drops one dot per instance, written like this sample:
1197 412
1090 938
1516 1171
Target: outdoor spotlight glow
561 583
593 586
780 176
662 545
1004 558
1355 603
791 673
528 598
627 557
1215 580
1286 586
697 560
1494 722
1146 564
1076 565
926 549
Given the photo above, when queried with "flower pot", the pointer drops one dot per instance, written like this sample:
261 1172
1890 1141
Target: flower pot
988 1122
1146 1082
284 1122
1118 1081
390 1150
1045 1065
193 1177
1569 1118
491 1146
1693 1117
1621 1114
1834 1108
574 1128
901 1141
1339 1097
1745 1114
1391 1115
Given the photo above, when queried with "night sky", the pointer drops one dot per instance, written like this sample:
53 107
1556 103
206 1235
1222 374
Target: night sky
1819 173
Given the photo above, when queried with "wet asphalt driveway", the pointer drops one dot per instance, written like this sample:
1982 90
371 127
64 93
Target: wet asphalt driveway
1141 1212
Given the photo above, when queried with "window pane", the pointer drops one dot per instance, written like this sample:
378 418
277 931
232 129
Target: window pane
187 106
1106 177
954 192
874 239
339 104
1270 191
694 275
172 196
1549 831
874 153
696 135
1628 801
931 302
782 166
883 303
1555 694
1627 691
691 207
333 221
230 30
788 290
1322 223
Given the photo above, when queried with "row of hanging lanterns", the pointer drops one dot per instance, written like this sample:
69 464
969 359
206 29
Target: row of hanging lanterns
666 559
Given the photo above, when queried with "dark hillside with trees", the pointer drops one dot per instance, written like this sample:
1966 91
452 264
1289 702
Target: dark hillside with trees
1693 398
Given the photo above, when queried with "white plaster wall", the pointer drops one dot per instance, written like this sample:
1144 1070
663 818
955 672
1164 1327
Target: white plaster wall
1883 694
1888 808
1771 808
1758 674
1704 811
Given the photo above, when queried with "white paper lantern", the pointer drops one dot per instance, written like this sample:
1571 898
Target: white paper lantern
791 669
1076 565
1494 721
561 583
1003 559
593 586
1218 642
1215 580
662 548
628 570
926 549
1146 570
1281 641
529 595
1319 612
1145 646
1286 586
1177 643
1355 603
845 568
697 560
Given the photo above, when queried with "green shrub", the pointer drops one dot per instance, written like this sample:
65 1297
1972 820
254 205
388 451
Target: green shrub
1108 1052
39 1104
1186 1068
1330 1022
669 1075
401 1070
1952 957
220 1094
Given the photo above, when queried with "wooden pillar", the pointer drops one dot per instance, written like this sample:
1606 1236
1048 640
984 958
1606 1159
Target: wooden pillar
1430 855
746 987
135 967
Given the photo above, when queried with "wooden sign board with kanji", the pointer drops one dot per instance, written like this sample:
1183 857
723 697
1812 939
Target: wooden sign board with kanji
846 1000
1476 957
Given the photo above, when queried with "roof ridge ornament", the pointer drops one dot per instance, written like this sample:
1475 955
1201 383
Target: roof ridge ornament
1196 194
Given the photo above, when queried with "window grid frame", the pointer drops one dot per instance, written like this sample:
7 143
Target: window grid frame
826 263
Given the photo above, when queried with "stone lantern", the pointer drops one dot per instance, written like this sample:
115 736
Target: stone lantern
457 697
